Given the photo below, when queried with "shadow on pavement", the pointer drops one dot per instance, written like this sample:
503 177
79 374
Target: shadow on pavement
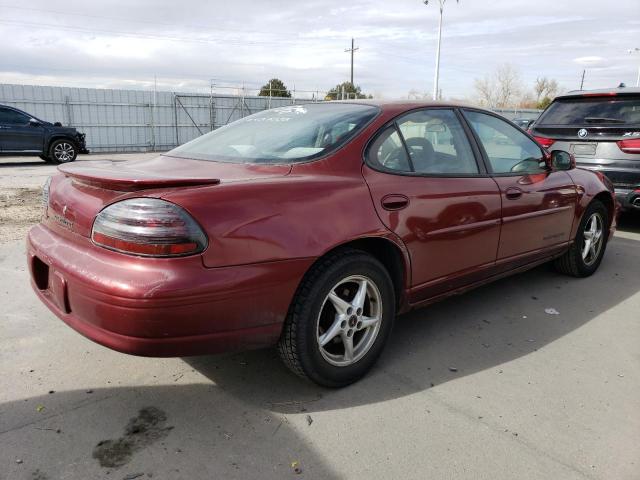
35 163
629 222
169 432
479 330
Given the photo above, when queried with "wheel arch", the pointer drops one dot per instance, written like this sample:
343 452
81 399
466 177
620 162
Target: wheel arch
606 198
388 252
60 136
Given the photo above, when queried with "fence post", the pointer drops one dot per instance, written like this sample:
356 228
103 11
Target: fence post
68 107
152 125
175 116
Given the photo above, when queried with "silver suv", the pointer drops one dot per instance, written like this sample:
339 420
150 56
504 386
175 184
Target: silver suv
601 128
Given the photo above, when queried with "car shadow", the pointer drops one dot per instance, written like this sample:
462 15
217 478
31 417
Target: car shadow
482 329
629 222
170 431
36 163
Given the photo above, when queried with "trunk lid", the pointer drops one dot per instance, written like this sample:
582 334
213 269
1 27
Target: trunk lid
83 189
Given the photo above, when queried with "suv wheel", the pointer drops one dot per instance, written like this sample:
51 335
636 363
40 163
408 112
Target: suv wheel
63 151
339 320
585 255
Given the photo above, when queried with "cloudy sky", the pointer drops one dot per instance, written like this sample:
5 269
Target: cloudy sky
184 44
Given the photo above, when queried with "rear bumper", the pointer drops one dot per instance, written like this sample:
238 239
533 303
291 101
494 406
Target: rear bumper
629 198
160 307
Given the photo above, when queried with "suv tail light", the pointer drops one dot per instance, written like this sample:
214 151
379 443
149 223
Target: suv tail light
148 227
630 146
544 141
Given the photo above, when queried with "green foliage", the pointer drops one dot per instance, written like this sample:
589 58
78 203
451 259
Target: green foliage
274 88
350 92
544 103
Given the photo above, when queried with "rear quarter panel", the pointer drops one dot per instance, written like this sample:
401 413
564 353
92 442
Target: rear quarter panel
317 207
589 185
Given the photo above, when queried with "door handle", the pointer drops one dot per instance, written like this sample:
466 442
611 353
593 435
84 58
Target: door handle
513 193
394 202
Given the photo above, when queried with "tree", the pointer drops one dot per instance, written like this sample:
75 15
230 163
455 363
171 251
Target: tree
274 88
350 91
500 89
545 89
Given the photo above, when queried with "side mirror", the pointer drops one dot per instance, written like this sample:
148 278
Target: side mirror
34 123
561 160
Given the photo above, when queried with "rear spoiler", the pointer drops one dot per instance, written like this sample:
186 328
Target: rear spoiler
103 174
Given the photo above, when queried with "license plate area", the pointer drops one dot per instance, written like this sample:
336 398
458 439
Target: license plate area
583 149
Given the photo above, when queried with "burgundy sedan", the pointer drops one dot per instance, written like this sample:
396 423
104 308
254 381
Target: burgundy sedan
309 227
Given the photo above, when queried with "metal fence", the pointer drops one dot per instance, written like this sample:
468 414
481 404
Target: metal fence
134 120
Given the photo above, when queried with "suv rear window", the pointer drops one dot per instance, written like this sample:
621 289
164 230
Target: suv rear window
592 111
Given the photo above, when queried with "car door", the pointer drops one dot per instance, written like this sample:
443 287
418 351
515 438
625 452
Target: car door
429 186
17 134
537 204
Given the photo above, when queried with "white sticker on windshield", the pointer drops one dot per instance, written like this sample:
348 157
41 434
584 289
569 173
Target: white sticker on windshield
295 109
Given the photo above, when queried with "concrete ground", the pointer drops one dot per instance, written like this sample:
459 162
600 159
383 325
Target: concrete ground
482 386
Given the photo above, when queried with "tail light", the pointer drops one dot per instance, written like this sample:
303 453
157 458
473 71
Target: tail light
148 227
45 196
630 146
544 141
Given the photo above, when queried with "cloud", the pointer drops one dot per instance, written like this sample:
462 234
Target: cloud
592 61
121 43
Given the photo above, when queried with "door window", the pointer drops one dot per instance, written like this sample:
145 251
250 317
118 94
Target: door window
509 150
430 141
437 143
11 117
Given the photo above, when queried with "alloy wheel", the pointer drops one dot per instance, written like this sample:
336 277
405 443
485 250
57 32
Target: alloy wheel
63 152
349 320
593 239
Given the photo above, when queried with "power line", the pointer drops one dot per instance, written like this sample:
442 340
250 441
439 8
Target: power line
136 20
226 41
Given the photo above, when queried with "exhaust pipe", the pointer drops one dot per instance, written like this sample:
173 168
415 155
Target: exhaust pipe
636 202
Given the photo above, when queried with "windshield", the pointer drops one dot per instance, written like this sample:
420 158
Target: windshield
281 135
594 110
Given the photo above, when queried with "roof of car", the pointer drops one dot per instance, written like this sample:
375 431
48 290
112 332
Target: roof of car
406 104
602 92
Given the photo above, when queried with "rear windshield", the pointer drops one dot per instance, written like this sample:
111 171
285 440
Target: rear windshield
595 110
281 135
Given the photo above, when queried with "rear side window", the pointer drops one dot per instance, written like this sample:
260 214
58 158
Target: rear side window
509 150
11 117
592 110
388 152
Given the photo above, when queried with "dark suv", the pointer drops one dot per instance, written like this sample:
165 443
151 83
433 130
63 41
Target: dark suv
602 130
23 134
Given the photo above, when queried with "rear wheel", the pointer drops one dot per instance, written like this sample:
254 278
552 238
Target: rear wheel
63 151
585 255
339 320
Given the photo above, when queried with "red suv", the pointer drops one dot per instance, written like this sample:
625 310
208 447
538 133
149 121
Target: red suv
309 227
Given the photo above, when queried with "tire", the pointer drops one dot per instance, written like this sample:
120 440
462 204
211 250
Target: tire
314 317
574 262
63 151
45 158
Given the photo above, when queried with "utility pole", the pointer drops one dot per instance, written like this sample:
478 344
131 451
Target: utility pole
582 81
352 50
437 73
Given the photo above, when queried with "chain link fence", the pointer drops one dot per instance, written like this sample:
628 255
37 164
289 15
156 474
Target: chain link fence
135 120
